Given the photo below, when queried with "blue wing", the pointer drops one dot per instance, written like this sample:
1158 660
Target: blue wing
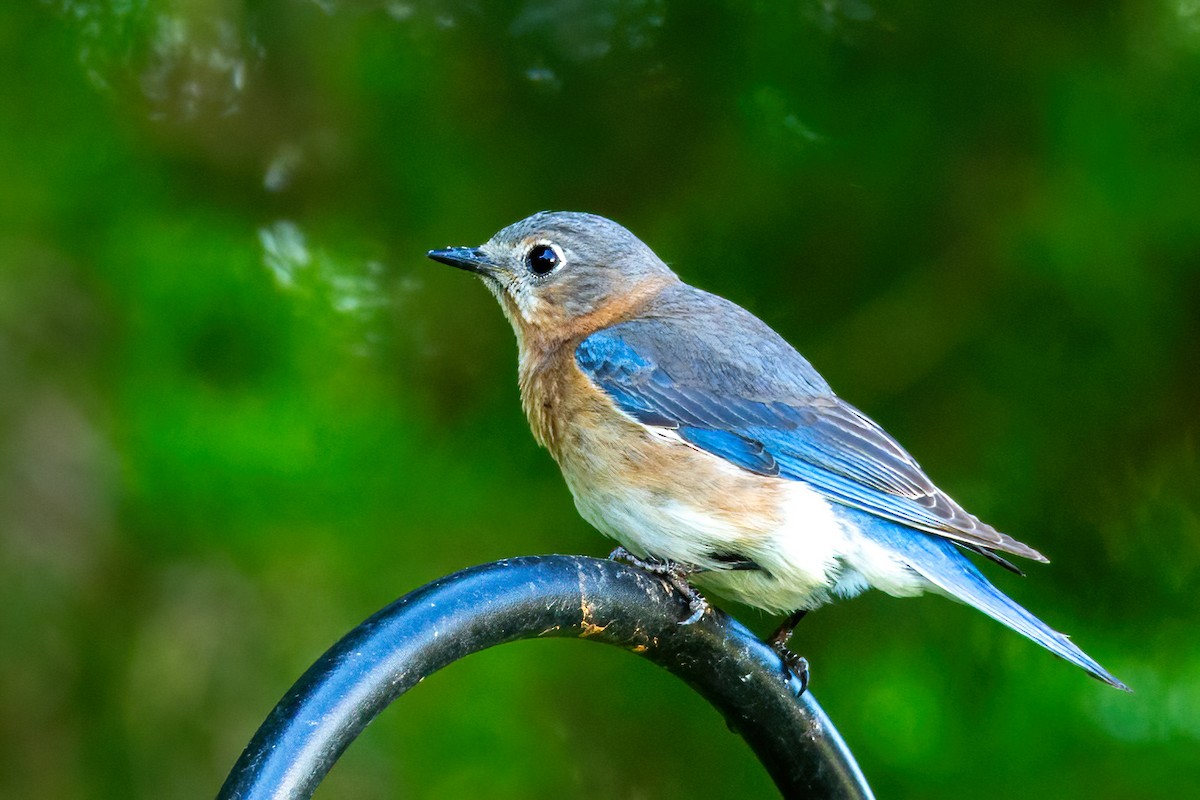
770 413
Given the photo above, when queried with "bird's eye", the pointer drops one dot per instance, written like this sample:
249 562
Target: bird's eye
542 258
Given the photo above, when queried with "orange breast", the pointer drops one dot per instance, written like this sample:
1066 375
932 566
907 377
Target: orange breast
601 451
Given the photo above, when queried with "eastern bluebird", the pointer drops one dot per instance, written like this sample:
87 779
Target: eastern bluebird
700 440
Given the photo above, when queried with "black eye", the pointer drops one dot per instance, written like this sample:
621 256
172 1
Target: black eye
541 259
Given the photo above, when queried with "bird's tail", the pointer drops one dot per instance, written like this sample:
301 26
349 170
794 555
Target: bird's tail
944 565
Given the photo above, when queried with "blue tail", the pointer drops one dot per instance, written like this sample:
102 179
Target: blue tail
942 563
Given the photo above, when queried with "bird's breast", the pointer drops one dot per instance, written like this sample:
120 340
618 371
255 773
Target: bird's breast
658 495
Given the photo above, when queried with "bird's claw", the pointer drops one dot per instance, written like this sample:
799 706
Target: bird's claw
673 573
797 666
793 664
696 603
621 554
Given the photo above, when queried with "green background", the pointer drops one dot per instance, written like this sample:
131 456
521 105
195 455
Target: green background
240 411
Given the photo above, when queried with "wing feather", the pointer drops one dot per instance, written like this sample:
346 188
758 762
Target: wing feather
810 436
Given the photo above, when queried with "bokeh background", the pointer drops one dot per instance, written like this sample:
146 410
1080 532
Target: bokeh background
240 411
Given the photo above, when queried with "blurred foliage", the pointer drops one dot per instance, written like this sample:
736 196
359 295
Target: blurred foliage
239 411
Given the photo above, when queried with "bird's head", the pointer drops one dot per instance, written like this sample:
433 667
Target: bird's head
560 273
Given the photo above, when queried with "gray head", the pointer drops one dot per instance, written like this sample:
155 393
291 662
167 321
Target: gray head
555 270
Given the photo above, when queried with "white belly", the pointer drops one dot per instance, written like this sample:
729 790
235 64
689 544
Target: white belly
659 496
802 550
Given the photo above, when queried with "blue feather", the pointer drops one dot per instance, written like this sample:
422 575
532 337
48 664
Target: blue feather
945 566
788 425
746 453
772 419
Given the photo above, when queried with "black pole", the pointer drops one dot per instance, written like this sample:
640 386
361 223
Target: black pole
539 597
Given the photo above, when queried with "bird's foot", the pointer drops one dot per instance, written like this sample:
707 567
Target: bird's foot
796 665
673 573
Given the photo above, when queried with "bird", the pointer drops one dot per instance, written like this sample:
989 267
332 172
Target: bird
700 440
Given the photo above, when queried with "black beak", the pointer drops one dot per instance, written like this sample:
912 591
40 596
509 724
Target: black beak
471 259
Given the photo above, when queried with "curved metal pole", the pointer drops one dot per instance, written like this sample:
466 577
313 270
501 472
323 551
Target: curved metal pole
541 597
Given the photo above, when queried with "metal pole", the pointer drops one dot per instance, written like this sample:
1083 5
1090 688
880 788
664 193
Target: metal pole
543 597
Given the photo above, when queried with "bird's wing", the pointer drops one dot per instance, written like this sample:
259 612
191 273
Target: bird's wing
804 435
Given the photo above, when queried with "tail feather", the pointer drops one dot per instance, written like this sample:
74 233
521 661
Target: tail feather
977 591
942 564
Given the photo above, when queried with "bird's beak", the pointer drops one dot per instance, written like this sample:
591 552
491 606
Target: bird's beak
472 259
